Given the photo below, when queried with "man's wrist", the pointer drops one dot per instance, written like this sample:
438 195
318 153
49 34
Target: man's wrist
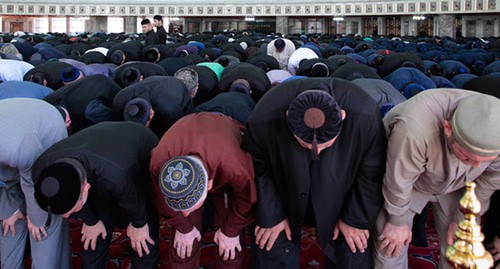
17 211
398 220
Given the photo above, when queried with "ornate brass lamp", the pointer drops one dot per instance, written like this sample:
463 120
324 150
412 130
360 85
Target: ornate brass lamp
468 251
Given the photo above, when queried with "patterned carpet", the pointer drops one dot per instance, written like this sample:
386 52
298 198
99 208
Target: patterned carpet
428 257
311 255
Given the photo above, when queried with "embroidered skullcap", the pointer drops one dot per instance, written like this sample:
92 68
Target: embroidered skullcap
315 117
183 180
476 124
189 77
58 186
137 110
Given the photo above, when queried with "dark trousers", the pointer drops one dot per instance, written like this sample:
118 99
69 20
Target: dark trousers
285 254
197 218
98 258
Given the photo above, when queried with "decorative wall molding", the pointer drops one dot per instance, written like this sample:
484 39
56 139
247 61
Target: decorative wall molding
339 8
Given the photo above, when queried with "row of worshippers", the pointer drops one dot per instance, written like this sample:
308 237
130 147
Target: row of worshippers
240 77
436 64
313 151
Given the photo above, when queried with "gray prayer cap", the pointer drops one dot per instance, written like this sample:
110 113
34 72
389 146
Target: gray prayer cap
476 124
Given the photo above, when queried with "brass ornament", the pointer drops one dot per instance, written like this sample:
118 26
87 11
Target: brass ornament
468 251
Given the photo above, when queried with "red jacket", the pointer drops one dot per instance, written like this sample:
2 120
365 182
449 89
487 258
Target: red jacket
216 140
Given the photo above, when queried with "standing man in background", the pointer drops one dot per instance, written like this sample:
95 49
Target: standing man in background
151 36
160 31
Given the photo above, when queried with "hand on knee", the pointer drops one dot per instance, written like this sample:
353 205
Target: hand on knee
393 239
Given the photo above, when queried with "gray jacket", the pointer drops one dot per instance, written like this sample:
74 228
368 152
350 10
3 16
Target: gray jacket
29 127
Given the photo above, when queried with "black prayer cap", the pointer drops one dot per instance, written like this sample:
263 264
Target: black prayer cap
314 115
320 69
70 74
279 43
58 186
152 55
242 86
129 76
145 21
117 57
137 110
158 18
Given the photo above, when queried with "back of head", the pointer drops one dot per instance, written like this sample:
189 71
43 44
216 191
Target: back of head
279 44
314 113
320 69
118 57
412 89
70 74
241 86
263 65
189 77
58 186
476 124
38 78
408 64
152 55
315 117
354 75
137 110
182 181
479 66
436 70
129 76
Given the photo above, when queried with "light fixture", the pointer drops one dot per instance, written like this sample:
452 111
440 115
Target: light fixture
338 18
249 18
418 18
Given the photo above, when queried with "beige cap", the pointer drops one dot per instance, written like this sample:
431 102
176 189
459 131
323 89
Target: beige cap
476 124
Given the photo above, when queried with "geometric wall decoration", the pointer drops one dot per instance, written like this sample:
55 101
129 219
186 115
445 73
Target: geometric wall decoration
492 5
423 7
357 9
479 4
369 8
411 7
268 8
389 8
444 6
400 7
433 7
